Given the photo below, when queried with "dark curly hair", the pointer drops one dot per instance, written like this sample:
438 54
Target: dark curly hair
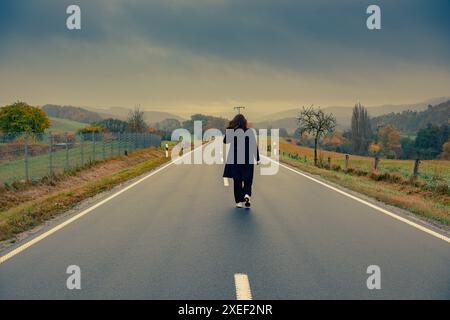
238 122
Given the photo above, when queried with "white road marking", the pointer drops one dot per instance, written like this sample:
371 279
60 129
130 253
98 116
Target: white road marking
389 213
33 241
242 284
226 183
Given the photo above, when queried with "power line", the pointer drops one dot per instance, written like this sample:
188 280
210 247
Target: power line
239 109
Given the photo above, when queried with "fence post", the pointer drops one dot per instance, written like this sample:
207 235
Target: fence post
111 145
375 163
27 176
124 143
346 161
118 143
329 162
416 167
66 162
50 157
82 148
103 146
93 146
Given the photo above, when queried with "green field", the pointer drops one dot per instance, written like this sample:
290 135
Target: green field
38 166
65 125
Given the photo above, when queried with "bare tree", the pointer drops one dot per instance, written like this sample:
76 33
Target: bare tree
317 123
136 121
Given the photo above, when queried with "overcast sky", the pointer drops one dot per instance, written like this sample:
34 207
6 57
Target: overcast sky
210 55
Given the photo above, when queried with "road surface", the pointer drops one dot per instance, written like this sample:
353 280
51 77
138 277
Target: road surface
177 235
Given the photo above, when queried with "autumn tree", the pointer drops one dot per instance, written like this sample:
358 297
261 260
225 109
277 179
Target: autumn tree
335 141
317 123
389 140
445 155
361 129
19 118
374 149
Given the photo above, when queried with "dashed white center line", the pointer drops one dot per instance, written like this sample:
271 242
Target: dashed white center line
225 182
242 285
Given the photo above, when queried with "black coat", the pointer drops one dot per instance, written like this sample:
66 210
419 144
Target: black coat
241 171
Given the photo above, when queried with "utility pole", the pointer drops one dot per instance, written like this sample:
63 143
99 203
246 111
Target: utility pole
239 109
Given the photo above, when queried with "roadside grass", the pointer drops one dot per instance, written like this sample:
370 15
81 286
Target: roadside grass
414 197
30 213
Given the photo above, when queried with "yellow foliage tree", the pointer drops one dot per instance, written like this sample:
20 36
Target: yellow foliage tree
389 139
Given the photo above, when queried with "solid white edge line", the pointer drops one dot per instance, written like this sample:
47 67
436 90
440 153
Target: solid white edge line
44 235
242 284
373 206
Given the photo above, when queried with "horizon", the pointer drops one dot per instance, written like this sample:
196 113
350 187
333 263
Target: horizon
228 112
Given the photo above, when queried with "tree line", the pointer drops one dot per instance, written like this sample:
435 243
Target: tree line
19 118
380 140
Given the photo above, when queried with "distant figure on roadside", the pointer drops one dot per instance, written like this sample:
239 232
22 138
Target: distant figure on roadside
242 155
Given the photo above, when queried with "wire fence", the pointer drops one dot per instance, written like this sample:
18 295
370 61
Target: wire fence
31 158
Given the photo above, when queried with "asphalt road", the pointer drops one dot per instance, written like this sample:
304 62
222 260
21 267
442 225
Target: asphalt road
177 235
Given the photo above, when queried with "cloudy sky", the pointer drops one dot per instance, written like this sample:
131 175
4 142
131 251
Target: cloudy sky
210 55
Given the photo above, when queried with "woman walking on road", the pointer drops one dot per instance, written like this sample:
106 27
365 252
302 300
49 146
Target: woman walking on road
242 155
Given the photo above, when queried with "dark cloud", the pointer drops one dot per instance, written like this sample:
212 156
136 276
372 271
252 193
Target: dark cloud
224 50
297 34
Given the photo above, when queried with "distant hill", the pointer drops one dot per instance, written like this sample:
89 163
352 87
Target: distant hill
65 125
290 124
286 119
121 113
71 113
409 122
91 114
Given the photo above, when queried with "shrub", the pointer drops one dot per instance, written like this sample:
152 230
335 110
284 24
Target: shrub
442 188
396 178
336 167
386 176
93 128
360 172
61 138
377 176
349 170
415 181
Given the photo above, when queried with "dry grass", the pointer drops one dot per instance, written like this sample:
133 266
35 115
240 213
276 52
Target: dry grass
393 188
